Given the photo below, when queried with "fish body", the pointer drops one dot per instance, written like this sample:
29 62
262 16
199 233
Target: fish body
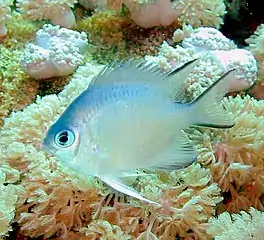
132 116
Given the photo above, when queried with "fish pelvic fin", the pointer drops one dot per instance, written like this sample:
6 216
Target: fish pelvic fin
117 184
208 110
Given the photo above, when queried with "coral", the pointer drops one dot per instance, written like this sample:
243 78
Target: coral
95 4
41 177
113 36
207 38
235 156
20 31
256 46
105 31
57 53
104 230
191 197
256 42
151 13
9 197
245 65
244 226
16 89
217 55
200 13
4 15
58 11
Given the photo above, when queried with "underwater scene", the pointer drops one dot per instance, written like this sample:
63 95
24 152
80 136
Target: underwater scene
131 119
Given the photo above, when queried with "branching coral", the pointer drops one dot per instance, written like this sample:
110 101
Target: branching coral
58 11
244 226
256 42
235 156
193 196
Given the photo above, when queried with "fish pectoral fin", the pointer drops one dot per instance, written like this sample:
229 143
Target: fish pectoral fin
116 184
181 153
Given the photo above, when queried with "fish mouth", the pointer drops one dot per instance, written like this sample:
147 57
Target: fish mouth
48 150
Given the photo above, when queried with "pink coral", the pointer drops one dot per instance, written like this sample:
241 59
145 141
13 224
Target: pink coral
57 53
151 13
58 11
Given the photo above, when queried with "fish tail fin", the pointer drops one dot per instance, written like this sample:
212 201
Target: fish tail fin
208 109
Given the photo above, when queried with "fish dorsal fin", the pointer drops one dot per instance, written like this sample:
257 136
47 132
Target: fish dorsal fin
140 71
177 78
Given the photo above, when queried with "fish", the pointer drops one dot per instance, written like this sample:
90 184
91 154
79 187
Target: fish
133 116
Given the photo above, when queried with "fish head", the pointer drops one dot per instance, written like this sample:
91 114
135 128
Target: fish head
63 140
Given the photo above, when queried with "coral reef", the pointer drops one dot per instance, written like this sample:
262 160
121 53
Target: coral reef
220 196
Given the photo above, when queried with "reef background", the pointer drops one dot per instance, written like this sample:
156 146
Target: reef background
221 196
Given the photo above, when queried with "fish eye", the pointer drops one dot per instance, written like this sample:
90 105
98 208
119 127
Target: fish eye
64 138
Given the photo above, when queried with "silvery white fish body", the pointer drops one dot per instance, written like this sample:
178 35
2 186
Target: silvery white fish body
132 116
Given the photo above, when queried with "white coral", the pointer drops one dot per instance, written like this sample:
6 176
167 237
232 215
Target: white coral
207 38
243 226
200 13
